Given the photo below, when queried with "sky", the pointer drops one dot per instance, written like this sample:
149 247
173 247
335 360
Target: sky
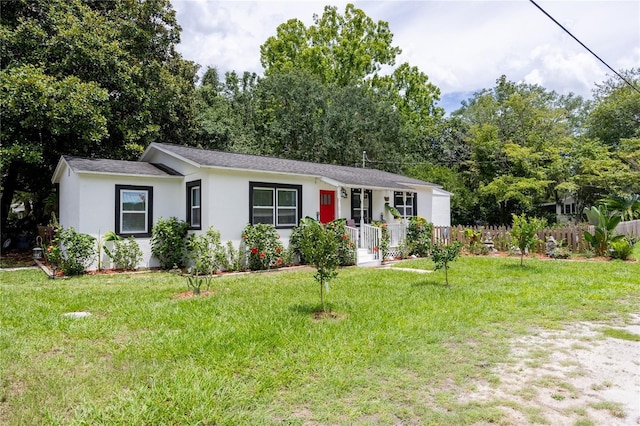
462 45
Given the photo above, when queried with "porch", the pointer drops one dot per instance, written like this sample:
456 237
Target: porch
368 240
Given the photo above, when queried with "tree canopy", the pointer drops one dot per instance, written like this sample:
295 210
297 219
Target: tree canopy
337 49
88 78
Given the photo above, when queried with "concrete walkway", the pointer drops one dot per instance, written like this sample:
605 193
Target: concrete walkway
396 268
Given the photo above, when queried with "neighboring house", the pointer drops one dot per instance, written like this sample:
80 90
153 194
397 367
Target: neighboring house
565 209
228 190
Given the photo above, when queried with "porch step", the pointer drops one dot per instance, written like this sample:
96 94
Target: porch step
366 258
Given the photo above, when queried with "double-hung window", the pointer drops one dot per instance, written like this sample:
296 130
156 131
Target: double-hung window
134 210
194 204
276 204
405 203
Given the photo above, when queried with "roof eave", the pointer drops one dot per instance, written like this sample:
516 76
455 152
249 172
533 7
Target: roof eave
93 172
58 171
157 147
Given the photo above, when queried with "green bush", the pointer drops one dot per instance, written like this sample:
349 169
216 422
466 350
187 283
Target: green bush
346 247
264 249
233 260
126 254
169 242
419 233
620 249
385 239
604 224
71 252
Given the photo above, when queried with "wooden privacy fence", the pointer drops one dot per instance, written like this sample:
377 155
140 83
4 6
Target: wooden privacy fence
629 228
571 235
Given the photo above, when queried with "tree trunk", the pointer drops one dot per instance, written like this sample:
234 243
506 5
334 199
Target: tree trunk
8 189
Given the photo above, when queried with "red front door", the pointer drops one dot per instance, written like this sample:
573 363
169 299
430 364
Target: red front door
327 206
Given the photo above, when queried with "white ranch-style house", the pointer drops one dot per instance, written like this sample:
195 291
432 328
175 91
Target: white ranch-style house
228 190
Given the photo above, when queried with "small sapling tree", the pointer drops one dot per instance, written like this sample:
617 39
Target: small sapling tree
524 232
205 253
319 247
443 255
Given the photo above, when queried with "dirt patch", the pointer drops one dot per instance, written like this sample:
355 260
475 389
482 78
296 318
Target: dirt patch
189 294
576 375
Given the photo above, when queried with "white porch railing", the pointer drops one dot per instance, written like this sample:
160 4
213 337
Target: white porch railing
371 239
353 235
397 234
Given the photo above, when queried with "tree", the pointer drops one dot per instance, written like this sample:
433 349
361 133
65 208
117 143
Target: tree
226 112
95 79
524 232
443 255
515 132
336 49
319 247
616 110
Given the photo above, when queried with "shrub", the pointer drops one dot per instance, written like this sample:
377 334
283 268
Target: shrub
346 247
72 252
385 238
233 260
604 224
474 242
419 233
620 249
126 254
264 249
169 242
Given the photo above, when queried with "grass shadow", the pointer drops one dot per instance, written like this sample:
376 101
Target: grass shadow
430 283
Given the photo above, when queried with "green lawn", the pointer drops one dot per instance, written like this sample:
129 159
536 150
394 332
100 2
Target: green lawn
401 348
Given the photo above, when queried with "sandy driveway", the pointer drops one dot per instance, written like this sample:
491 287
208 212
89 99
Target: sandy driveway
574 376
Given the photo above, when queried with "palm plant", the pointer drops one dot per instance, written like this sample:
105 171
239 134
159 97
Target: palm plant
627 206
604 224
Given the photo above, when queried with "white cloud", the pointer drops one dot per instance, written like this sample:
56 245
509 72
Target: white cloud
462 45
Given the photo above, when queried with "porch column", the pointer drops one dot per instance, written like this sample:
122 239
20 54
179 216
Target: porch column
361 207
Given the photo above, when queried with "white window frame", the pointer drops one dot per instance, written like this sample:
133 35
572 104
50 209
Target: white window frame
121 190
191 187
275 208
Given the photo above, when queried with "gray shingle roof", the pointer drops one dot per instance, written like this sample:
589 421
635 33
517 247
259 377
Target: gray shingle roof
349 176
95 165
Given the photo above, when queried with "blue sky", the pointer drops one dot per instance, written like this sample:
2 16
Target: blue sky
462 45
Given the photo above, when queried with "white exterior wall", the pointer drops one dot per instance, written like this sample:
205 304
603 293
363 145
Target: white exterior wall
97 198
441 208
69 199
227 204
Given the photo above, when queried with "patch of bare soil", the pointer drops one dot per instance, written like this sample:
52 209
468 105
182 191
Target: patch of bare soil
327 315
189 294
576 375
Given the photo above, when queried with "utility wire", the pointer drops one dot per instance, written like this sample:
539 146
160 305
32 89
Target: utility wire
583 45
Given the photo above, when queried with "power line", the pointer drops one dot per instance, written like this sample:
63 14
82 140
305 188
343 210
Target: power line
583 45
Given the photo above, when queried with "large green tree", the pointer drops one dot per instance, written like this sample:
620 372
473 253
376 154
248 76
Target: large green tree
89 78
616 111
337 49
515 131
226 111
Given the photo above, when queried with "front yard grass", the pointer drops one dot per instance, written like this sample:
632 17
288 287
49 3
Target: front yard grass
401 349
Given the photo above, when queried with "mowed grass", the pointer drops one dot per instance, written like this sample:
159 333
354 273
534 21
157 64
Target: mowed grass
402 348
